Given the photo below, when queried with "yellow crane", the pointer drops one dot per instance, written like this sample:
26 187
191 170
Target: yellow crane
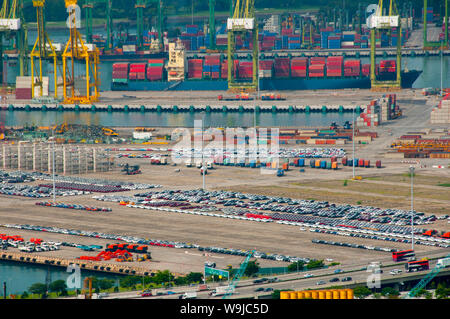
43 49
76 49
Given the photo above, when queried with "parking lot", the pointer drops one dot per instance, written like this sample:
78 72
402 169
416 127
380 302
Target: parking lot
225 225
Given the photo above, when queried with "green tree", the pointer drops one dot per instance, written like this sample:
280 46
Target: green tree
24 295
361 292
38 289
162 276
442 292
58 286
194 277
179 281
313 264
130 281
105 284
390 292
297 266
252 268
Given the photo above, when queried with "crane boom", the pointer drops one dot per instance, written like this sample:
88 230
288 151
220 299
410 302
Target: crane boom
238 275
425 280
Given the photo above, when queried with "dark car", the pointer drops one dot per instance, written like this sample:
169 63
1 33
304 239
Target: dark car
346 279
268 289
334 279
259 289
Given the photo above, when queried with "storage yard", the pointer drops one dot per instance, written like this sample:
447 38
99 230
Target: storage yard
179 222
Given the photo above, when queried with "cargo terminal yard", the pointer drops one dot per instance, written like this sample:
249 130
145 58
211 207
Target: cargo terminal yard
117 163
384 187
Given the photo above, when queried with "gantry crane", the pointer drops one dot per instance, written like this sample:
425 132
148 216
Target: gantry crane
239 274
12 25
75 50
379 22
140 6
88 8
428 45
242 22
43 50
212 25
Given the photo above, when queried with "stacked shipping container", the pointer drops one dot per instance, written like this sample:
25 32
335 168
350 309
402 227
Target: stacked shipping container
155 69
282 67
299 67
317 67
120 72
352 68
334 66
195 68
137 71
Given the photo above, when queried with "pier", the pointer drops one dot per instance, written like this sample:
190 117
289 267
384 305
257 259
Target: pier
84 264
242 107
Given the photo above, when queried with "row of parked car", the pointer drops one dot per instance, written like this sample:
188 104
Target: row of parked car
29 247
337 243
91 181
308 212
74 206
145 241
14 177
35 191
370 234
261 153
320 211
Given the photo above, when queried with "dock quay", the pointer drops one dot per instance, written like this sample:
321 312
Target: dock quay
83 264
243 106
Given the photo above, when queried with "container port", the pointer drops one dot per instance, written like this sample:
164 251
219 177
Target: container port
255 153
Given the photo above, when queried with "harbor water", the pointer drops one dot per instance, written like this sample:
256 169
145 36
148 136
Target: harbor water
19 277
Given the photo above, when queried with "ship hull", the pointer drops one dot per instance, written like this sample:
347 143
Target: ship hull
266 84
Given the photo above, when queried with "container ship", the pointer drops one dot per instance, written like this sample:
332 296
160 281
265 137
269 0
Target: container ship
179 73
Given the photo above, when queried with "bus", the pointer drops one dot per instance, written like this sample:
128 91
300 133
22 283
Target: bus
418 265
403 255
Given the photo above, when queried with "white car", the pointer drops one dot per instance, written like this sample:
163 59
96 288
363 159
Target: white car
395 271
308 275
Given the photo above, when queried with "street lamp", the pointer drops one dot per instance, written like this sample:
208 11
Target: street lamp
411 172
353 141
442 56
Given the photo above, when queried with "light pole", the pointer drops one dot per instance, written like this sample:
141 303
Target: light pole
411 172
203 161
442 56
353 141
53 164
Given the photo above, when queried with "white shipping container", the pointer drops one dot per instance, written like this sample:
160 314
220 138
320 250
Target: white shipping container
129 48
10 24
142 135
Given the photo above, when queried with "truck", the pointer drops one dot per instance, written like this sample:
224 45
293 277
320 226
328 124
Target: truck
222 290
443 262
189 295
280 172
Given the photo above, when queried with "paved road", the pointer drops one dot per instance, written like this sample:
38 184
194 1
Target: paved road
296 281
